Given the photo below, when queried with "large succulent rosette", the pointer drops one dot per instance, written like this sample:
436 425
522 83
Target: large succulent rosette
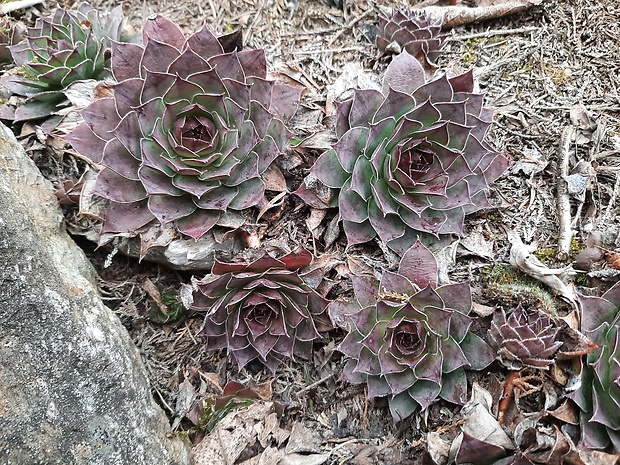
525 338
409 339
186 134
599 394
262 310
411 30
410 161
68 46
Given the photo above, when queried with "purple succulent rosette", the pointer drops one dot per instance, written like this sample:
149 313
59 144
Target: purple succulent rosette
188 132
262 310
11 33
410 161
527 338
409 338
68 46
599 394
413 31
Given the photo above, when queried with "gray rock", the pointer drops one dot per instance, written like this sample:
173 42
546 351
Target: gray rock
73 389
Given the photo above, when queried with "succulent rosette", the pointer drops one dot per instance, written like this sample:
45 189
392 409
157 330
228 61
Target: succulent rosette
11 33
410 161
186 134
411 30
68 46
262 310
599 394
527 338
410 339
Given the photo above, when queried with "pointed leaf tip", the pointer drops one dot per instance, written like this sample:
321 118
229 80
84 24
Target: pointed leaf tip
404 74
419 265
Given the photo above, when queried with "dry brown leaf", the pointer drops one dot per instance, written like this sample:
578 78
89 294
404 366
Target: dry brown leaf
274 179
213 379
614 260
567 412
264 390
303 440
314 221
232 435
477 244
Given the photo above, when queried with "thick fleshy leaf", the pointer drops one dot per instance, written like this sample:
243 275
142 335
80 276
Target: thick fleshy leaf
388 227
113 186
125 60
198 223
329 170
402 406
163 30
157 57
254 63
473 450
358 233
454 387
250 193
36 109
127 95
456 296
349 205
419 265
284 100
85 141
349 148
126 218
404 74
117 158
364 104
204 43
425 392
167 208
101 117
395 283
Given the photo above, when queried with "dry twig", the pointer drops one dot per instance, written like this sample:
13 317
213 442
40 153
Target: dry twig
17 5
563 200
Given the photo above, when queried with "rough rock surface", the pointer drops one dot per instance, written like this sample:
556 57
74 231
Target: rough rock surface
73 389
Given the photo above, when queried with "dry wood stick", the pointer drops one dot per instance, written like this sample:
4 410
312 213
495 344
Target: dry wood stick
349 25
612 200
563 200
494 32
315 384
17 5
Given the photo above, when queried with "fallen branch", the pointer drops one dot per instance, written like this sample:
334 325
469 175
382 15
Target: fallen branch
522 257
349 25
565 235
17 5
494 32
609 211
452 16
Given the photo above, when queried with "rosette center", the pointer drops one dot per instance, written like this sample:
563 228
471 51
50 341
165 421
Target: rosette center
408 339
415 159
260 314
196 132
